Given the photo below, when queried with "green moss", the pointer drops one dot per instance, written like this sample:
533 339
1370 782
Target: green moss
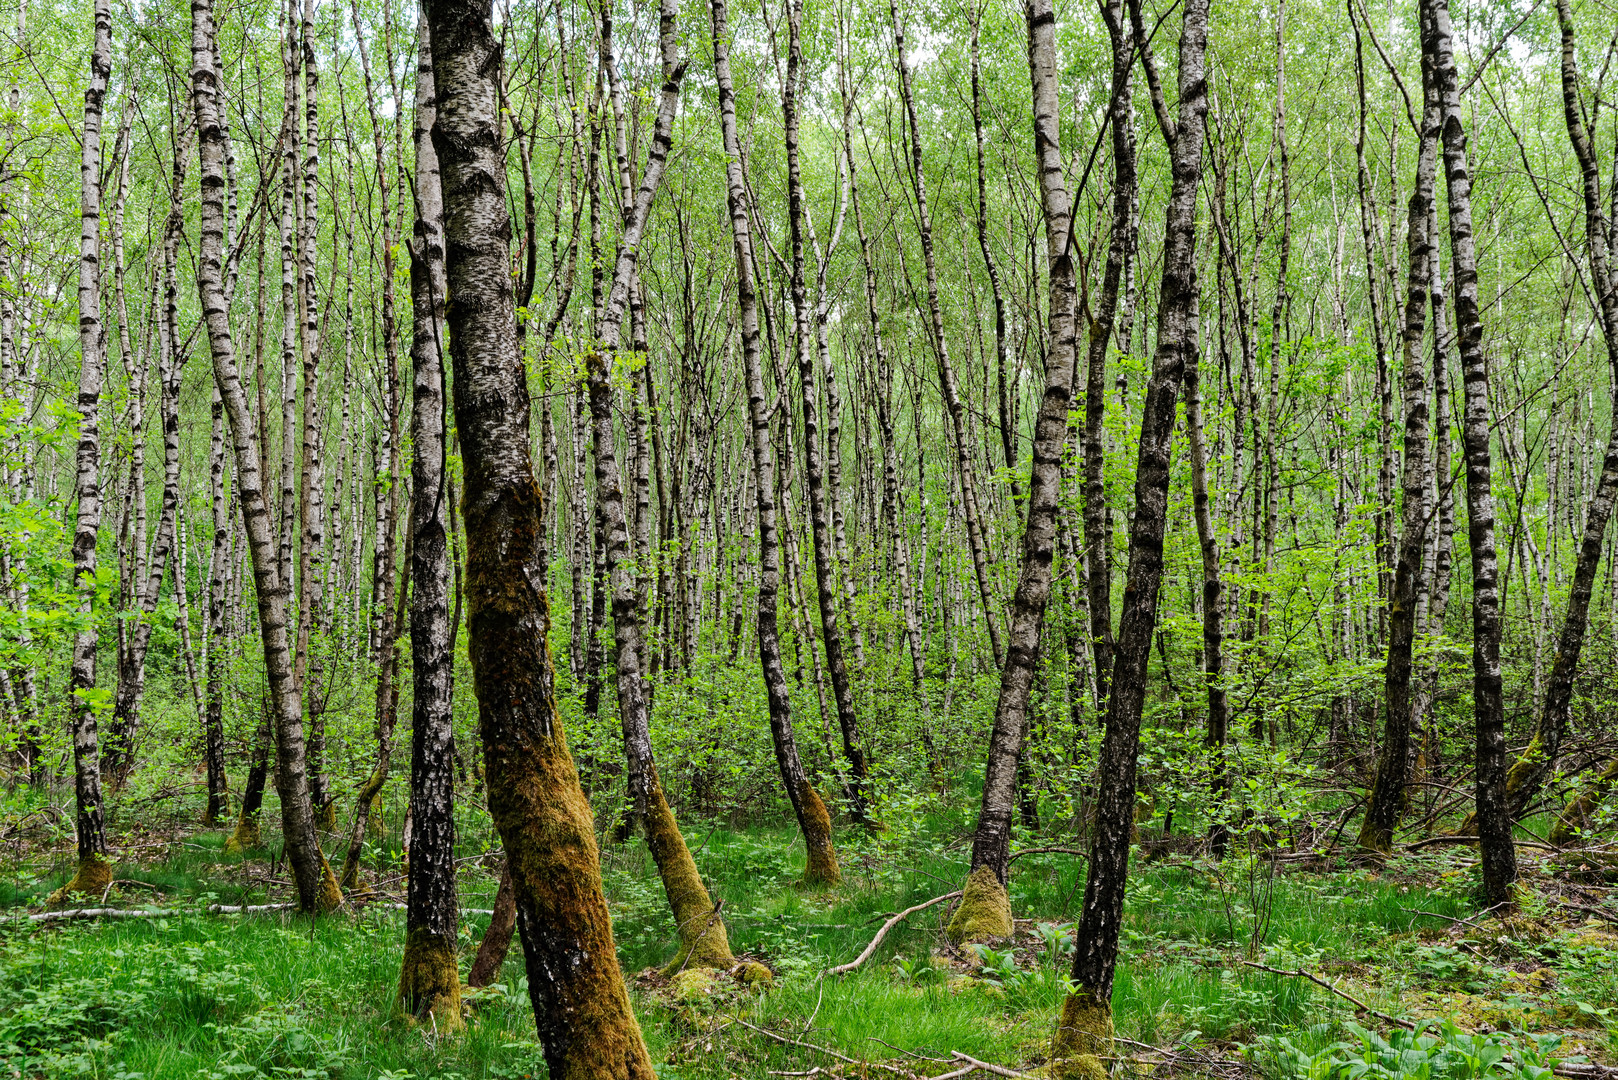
247 836
985 910
430 981
692 985
1575 817
1083 1039
822 868
752 973
703 941
91 882
331 896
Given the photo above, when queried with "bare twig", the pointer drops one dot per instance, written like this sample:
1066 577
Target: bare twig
843 969
1300 973
819 1049
1048 851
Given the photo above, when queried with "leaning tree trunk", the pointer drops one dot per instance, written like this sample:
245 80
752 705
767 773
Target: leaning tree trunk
985 908
316 886
1529 774
703 941
1389 793
581 1007
1120 250
825 555
813 819
953 404
430 977
1494 815
94 870
1084 1032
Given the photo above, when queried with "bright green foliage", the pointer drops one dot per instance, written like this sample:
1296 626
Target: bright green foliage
1433 1051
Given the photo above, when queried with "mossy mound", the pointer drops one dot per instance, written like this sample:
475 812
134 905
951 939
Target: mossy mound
1083 1038
91 882
985 910
753 973
692 985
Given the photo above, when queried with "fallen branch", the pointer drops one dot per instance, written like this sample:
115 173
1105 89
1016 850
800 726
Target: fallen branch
984 1066
1586 909
1434 841
820 1049
1048 851
163 913
843 969
1300 973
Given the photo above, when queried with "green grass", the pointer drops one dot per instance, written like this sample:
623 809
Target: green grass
282 996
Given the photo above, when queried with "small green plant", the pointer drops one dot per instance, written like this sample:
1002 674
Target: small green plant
916 972
1430 1052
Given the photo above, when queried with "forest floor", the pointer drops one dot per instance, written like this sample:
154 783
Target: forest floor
193 994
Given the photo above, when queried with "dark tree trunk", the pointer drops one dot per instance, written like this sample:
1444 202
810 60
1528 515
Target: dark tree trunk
1085 1028
1529 774
1494 815
1120 250
1389 795
586 1028
813 819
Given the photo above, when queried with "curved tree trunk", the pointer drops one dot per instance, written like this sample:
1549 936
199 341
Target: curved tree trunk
581 1007
703 941
316 886
1530 772
985 908
953 404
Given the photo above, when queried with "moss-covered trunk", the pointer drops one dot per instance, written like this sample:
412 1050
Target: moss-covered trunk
247 835
581 1007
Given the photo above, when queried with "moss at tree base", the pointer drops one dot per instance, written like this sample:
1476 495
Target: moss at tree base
92 880
247 836
985 910
1083 1039
821 868
703 940
753 973
430 980
331 895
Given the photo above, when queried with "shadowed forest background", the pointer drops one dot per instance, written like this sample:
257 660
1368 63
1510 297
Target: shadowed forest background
817 539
